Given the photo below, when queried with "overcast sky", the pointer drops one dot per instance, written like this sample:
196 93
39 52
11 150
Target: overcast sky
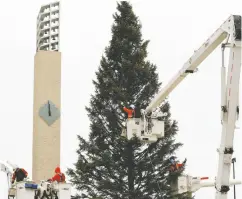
175 28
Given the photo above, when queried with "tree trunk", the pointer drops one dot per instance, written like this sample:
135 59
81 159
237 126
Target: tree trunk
131 171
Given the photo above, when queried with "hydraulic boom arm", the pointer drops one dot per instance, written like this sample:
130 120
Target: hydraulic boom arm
231 27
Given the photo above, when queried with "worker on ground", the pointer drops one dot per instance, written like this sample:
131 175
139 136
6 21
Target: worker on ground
19 174
59 176
175 166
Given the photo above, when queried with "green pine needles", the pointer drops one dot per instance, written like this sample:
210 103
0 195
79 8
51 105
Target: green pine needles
109 166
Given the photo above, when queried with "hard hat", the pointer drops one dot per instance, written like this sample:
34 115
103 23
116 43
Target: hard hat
57 170
132 106
172 158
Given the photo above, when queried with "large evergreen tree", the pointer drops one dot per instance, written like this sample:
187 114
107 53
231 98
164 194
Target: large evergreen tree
110 166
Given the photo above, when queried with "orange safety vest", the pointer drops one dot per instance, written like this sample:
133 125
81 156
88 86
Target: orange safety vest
176 167
130 112
59 177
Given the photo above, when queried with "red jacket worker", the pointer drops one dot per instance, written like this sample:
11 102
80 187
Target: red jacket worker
59 176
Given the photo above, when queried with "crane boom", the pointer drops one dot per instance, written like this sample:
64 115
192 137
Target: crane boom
231 27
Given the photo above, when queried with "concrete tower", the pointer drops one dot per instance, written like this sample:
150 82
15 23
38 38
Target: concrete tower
47 94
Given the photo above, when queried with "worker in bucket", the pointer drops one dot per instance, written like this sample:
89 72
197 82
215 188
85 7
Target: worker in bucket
19 174
175 166
130 111
130 114
59 176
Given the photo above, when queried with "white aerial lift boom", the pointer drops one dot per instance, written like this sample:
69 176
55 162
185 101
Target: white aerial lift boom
6 169
151 127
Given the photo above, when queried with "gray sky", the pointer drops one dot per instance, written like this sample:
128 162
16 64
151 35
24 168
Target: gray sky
175 29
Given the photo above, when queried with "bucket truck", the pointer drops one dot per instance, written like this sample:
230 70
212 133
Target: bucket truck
28 189
150 126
